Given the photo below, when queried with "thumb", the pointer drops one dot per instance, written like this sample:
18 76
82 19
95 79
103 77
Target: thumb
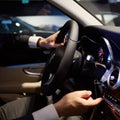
92 102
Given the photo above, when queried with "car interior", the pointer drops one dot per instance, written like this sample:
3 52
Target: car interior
89 60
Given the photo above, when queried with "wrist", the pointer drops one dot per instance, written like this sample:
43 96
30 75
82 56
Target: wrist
42 42
39 42
58 109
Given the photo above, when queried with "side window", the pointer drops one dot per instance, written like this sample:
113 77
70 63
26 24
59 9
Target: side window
46 17
35 17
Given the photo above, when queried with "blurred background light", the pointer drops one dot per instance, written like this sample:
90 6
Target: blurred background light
25 1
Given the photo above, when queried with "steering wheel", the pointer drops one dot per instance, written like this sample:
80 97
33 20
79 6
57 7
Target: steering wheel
60 59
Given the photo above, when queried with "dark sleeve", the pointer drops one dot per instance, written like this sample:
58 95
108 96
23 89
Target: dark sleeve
13 40
28 117
21 40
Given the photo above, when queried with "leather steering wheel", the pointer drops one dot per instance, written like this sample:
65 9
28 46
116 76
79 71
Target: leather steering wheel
61 59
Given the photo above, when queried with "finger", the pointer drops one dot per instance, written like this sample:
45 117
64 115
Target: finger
95 102
91 102
56 45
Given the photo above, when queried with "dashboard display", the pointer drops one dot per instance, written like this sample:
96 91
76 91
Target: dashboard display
109 59
101 55
104 57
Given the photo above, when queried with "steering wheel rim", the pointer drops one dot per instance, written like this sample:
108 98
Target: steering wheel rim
50 84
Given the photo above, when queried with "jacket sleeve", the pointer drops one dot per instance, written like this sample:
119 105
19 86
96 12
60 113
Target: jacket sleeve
46 113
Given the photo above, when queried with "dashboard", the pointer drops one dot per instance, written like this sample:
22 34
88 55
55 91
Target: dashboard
105 49
99 50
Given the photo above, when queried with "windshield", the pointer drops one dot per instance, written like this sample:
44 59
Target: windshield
107 11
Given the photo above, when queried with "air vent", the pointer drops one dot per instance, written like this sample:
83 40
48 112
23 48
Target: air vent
114 80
